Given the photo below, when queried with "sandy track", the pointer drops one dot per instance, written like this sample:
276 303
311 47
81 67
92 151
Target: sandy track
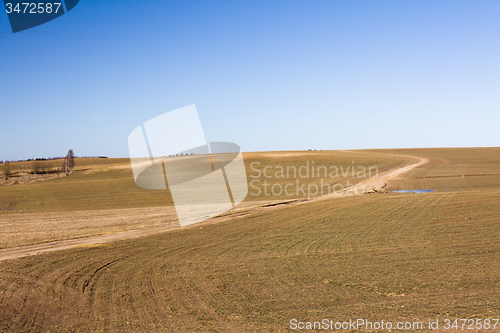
377 184
374 184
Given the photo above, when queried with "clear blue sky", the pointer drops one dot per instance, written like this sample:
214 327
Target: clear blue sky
267 75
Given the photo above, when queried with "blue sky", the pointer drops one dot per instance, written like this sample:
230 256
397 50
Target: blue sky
267 75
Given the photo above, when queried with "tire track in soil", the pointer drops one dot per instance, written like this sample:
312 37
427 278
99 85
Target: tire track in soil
94 274
190 292
182 276
167 318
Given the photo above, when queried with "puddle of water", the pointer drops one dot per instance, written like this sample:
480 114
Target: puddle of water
413 191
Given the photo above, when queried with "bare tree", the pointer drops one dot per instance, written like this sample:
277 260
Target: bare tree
6 169
69 162
38 167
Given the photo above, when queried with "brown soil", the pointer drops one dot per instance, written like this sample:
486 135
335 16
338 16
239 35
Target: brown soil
375 184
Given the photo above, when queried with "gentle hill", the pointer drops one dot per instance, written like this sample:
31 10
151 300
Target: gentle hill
399 257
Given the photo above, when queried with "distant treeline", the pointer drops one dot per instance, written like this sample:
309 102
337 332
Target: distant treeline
49 159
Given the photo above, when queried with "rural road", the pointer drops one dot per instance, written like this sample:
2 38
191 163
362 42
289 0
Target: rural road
374 184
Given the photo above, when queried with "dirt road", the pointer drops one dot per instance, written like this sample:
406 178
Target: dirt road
374 184
377 184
